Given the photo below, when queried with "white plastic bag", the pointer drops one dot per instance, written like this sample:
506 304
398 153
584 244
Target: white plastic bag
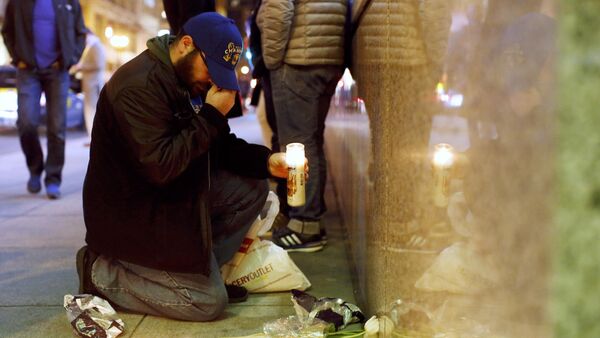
261 266
460 269
260 226
267 268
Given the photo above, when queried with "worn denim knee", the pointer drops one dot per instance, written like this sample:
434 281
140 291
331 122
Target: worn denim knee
182 296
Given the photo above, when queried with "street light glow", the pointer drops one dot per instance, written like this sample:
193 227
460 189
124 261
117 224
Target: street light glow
119 41
245 70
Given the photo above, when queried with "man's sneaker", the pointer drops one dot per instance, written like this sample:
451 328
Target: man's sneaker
34 184
84 261
293 241
53 191
236 294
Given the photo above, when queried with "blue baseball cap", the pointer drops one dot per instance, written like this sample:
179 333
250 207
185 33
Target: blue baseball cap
221 42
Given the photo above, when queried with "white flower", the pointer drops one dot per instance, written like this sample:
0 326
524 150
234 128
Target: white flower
381 326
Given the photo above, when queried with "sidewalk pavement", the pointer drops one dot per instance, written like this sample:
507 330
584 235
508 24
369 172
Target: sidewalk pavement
39 239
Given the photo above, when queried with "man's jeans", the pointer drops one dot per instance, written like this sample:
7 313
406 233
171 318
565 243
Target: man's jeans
301 96
55 85
235 204
91 82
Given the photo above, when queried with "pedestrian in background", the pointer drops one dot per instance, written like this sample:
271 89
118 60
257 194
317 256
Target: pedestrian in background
179 11
44 39
262 91
305 61
91 67
265 111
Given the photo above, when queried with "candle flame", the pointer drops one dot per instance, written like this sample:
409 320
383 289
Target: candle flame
443 155
294 155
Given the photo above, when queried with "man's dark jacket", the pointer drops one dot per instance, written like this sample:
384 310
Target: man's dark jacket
17 31
145 195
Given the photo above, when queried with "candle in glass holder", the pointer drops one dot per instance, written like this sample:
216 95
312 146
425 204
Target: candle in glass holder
296 182
443 158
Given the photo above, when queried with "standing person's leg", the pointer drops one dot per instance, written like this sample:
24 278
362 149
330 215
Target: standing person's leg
270 110
88 109
296 92
91 89
261 117
88 116
296 96
171 8
29 90
324 103
281 183
56 86
193 8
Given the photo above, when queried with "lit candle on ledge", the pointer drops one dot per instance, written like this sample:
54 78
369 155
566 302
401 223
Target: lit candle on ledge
296 182
443 159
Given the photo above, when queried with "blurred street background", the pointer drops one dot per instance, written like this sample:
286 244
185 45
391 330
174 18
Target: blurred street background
501 242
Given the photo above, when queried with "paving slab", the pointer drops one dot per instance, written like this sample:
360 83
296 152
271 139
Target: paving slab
236 321
68 205
42 231
328 270
13 203
36 276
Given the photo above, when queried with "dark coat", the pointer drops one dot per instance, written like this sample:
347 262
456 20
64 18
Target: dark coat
17 31
179 11
146 189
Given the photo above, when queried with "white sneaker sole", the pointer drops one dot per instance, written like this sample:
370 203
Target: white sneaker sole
306 249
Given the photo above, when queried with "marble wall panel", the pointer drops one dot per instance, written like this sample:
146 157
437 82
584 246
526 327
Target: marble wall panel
479 76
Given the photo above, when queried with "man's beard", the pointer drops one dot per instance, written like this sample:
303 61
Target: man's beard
184 68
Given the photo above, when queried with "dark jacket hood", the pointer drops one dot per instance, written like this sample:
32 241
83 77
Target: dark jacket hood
159 46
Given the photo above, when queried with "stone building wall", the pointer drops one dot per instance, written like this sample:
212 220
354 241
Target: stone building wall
479 260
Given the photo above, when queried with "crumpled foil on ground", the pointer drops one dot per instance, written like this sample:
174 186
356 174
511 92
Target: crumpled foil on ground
92 317
294 326
331 310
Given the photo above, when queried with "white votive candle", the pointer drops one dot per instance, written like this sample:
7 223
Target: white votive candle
443 159
296 182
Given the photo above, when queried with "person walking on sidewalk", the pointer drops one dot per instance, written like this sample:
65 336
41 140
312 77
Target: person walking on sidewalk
44 39
91 66
305 61
170 192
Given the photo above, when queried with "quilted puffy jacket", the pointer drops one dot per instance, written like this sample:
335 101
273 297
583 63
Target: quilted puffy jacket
302 32
404 33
